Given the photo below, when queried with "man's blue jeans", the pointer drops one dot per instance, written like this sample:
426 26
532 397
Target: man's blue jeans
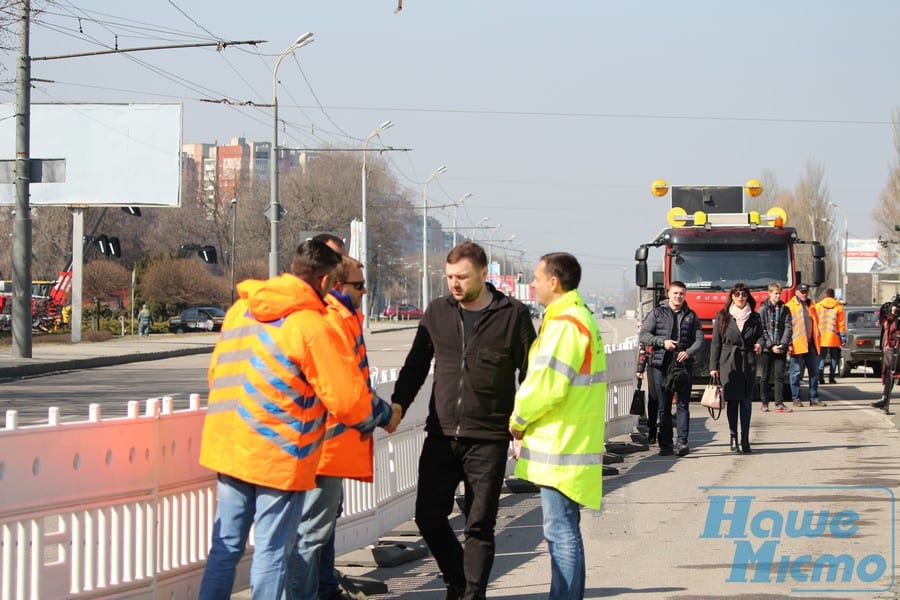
315 530
682 409
239 505
562 530
810 362
833 355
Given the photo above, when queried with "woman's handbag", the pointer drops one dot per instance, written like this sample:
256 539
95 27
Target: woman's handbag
712 398
637 401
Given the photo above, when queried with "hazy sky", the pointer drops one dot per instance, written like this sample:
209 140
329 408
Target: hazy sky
556 116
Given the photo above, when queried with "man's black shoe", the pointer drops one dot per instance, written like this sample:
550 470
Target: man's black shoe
879 404
832 380
651 437
666 452
455 592
682 449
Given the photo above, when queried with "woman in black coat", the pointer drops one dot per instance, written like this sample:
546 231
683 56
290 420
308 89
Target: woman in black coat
737 336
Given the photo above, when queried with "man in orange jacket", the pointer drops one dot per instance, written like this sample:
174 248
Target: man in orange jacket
805 344
832 333
344 454
278 368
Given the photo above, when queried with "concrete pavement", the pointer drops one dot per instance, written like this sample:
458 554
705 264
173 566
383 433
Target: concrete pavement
670 527
659 535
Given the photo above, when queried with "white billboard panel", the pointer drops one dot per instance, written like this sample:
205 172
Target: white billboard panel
862 255
116 154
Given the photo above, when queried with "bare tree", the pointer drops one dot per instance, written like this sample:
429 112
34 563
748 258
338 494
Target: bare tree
887 212
183 282
807 207
104 279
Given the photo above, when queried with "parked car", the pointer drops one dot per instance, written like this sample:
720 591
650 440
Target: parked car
402 312
197 318
608 312
863 345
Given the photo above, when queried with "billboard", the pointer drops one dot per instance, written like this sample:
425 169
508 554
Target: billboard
115 154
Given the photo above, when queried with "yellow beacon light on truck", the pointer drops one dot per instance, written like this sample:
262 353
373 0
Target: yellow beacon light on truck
678 217
753 188
776 216
659 188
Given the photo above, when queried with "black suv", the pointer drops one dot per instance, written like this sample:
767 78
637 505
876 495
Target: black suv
197 318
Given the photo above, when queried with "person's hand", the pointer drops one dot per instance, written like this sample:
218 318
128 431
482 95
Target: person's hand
396 417
777 349
843 338
517 435
639 374
682 356
757 348
713 374
517 448
670 344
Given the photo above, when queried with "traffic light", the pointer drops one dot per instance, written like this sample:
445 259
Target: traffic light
115 249
134 211
208 254
102 244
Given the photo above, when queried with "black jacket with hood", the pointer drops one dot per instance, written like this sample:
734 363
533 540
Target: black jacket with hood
474 380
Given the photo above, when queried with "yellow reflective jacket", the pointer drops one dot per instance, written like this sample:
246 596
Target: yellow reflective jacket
561 405
277 367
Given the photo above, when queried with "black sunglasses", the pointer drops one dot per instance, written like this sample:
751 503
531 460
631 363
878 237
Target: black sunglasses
357 285
741 294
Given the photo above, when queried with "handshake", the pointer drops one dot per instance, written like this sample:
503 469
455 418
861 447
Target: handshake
396 417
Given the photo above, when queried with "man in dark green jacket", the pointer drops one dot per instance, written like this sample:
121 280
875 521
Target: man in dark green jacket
479 339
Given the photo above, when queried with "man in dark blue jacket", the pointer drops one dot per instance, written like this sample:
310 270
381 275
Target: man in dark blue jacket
673 329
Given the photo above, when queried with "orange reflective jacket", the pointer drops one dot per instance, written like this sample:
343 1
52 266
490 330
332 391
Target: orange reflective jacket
800 336
344 453
277 367
832 322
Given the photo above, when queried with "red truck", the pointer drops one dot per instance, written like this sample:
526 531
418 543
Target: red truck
714 242
48 299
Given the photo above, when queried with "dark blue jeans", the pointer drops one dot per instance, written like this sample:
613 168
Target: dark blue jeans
831 354
809 362
682 409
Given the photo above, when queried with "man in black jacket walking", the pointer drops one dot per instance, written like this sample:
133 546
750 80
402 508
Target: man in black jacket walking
479 339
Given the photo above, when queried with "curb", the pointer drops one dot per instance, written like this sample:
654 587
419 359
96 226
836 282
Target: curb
46 368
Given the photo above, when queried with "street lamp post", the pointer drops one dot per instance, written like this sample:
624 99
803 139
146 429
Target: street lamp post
455 207
233 230
437 172
846 236
837 268
274 207
363 229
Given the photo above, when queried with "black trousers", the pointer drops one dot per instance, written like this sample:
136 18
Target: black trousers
771 364
481 465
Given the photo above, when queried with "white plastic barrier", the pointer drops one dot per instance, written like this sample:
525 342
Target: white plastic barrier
121 508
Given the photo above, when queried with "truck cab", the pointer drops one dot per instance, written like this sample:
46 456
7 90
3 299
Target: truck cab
714 242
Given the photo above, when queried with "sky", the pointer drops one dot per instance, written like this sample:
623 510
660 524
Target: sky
555 116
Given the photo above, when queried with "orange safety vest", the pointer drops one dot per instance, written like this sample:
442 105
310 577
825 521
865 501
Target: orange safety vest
799 335
277 367
832 322
344 453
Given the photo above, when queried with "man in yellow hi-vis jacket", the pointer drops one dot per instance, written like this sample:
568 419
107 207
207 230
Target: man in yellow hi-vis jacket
559 418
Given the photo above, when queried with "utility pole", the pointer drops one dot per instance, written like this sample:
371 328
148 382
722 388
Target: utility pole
21 258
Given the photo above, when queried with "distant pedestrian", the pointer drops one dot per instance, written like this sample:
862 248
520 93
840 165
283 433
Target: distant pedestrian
832 334
889 319
560 416
144 320
805 345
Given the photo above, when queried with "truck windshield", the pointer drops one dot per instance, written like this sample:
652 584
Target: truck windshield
720 268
